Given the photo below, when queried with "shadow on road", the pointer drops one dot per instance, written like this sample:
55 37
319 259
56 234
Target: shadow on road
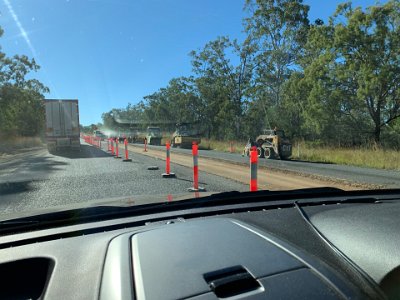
7 188
189 180
86 152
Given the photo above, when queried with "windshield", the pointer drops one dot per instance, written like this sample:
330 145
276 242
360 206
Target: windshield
104 99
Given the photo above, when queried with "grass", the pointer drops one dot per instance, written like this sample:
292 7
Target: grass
223 146
372 157
12 144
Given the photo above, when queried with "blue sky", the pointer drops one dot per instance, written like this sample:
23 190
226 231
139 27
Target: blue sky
107 53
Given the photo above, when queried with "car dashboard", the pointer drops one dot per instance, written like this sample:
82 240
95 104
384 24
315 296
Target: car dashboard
292 249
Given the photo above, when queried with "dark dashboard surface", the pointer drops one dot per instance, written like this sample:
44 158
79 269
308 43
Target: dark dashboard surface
342 251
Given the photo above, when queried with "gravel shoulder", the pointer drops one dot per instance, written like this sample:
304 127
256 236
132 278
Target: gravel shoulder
268 178
355 176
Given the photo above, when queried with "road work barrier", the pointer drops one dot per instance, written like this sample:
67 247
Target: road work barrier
195 153
116 149
126 151
112 147
167 173
145 145
253 169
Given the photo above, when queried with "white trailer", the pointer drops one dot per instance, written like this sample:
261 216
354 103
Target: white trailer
62 124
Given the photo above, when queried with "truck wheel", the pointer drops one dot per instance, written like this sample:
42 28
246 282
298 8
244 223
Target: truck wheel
260 152
269 153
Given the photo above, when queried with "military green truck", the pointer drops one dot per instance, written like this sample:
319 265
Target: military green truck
154 136
184 136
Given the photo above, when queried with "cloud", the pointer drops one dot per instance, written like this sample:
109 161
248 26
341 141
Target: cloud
23 32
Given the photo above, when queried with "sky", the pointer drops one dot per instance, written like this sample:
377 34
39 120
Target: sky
108 53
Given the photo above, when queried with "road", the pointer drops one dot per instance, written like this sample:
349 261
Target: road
339 173
36 179
40 180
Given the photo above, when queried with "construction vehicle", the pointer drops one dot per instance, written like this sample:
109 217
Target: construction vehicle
271 144
62 125
154 136
184 136
99 134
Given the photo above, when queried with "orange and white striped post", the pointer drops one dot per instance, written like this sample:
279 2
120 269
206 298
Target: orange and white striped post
167 173
253 169
195 153
116 149
126 151
112 147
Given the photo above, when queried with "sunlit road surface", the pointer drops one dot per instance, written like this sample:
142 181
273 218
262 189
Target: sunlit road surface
42 180
286 171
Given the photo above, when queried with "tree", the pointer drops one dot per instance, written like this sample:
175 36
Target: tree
223 87
21 99
277 29
368 54
352 70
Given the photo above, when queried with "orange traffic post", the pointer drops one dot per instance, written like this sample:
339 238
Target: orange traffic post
195 153
126 151
145 145
253 169
116 149
167 173
112 147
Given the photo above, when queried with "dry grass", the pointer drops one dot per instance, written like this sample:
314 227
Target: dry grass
372 157
13 144
223 146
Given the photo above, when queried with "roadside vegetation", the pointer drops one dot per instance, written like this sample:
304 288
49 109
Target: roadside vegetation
365 156
21 100
12 145
333 84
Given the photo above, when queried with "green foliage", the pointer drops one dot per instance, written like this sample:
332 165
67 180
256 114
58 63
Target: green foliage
334 83
21 99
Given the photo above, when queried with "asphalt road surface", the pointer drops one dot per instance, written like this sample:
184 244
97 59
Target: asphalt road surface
38 179
383 178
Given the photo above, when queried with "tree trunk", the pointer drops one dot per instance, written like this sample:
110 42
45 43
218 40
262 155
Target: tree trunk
377 134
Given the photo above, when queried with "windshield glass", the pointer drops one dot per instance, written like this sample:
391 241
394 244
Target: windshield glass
109 99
